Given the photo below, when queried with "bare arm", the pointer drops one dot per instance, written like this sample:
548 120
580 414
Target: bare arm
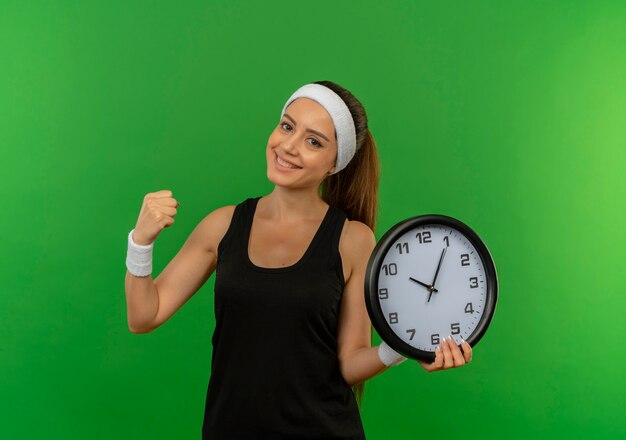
358 360
152 302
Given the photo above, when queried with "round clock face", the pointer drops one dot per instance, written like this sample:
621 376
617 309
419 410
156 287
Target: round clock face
430 277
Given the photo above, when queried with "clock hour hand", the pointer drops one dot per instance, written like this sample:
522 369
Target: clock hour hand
429 287
439 265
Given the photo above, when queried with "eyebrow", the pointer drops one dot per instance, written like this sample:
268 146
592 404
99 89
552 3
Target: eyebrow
308 129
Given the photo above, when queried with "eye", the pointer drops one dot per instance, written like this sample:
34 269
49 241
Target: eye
316 142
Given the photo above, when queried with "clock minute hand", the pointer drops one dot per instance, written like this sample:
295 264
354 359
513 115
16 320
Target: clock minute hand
439 265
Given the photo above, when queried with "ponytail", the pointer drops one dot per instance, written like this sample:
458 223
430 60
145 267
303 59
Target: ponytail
355 188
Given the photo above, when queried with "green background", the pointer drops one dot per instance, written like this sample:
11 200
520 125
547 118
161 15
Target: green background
507 115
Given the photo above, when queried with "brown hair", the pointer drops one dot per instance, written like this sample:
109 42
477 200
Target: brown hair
354 189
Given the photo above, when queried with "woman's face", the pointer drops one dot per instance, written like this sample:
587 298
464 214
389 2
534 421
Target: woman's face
304 137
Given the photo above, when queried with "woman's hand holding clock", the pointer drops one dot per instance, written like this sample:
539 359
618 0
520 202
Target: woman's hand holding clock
449 357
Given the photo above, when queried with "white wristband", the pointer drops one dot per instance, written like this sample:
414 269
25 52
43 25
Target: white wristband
389 356
139 257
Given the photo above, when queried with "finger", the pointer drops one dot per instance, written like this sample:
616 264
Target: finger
438 362
426 366
167 201
448 361
163 193
158 194
168 210
467 351
434 365
459 360
165 221
164 202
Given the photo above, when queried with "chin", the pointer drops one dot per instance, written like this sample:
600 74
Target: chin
277 179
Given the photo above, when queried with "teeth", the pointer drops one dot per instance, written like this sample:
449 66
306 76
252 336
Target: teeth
285 164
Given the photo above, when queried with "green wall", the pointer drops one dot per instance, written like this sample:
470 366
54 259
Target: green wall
507 115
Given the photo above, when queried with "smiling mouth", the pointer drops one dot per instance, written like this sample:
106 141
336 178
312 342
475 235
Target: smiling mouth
286 164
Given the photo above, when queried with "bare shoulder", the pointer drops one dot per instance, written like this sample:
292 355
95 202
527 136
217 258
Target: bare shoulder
356 244
214 225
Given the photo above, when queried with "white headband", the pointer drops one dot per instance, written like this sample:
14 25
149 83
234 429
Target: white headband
339 113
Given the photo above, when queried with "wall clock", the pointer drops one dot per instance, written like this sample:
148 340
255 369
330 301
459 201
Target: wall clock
430 277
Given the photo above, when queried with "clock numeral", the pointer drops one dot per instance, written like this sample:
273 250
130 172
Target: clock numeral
393 318
456 328
403 245
447 241
465 260
469 308
473 282
424 237
412 331
434 339
383 293
390 269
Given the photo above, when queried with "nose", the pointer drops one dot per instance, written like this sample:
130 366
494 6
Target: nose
289 145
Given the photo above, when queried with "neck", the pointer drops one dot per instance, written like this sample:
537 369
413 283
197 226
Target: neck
293 205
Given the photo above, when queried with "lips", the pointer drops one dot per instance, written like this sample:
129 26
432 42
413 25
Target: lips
286 161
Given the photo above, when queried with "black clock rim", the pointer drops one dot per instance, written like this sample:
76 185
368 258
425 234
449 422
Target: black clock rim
373 270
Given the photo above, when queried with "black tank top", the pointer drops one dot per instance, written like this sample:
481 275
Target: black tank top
274 369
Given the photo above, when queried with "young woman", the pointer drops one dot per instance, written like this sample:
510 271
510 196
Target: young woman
292 343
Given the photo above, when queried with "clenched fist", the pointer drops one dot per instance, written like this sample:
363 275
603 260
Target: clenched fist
157 213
